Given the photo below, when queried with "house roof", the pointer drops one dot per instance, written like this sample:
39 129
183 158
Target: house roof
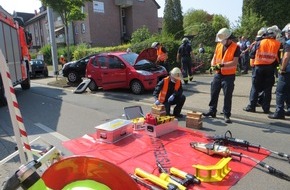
158 6
36 17
21 17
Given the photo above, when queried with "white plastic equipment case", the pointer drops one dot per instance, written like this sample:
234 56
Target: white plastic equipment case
114 130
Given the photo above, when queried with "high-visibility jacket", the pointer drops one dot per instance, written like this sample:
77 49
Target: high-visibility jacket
161 56
228 56
267 53
163 92
62 60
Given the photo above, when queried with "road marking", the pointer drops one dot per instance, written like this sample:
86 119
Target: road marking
52 132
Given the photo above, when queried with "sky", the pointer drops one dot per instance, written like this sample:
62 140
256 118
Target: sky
232 9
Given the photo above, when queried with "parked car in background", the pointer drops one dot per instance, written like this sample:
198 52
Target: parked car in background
75 70
38 68
125 70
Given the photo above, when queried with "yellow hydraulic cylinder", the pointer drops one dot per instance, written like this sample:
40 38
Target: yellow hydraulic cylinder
154 179
166 177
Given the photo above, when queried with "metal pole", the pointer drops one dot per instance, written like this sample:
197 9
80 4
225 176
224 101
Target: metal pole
52 41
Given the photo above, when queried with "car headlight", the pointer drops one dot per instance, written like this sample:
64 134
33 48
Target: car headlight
145 73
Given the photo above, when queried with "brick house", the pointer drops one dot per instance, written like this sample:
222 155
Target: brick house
108 23
112 22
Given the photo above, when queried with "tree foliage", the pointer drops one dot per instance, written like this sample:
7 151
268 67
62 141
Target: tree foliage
140 35
272 12
173 19
69 10
250 25
203 26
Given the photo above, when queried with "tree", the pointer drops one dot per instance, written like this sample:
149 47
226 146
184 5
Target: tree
203 26
69 10
173 19
272 12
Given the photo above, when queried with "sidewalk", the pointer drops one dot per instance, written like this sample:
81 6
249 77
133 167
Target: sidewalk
200 88
198 97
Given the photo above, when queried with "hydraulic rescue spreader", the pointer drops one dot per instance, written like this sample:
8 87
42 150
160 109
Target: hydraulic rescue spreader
216 149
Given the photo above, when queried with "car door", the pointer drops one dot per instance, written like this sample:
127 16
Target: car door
114 74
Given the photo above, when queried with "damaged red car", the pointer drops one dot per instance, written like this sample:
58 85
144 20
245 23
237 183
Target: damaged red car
125 70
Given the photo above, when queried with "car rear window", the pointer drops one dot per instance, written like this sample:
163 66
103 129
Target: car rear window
36 62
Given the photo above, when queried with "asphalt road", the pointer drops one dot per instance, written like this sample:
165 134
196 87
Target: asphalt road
56 114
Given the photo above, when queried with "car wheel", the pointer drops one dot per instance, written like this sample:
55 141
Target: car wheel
73 77
136 87
93 86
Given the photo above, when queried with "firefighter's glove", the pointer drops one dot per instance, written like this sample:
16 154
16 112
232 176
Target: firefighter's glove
171 98
282 72
157 102
219 66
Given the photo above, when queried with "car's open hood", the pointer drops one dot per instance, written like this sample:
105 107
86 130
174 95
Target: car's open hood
149 54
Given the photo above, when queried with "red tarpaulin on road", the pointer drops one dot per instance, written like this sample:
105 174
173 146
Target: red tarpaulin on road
141 151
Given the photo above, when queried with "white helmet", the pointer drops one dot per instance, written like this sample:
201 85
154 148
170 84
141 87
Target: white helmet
273 31
261 32
155 44
176 73
286 29
185 40
223 34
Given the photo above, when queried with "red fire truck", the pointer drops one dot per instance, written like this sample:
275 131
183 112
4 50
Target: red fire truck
14 45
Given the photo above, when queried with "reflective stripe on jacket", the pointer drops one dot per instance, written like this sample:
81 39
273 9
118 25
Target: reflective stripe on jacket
267 53
161 55
163 92
228 56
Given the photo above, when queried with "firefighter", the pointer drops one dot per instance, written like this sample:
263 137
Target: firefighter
224 61
265 54
283 85
169 92
161 55
184 54
260 35
62 60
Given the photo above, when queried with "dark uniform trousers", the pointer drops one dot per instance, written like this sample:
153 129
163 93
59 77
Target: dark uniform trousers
178 101
283 93
225 82
263 79
186 67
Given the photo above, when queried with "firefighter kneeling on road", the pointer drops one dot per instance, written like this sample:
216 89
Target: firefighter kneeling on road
169 92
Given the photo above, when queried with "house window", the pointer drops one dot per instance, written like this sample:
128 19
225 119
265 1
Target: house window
76 29
98 7
83 28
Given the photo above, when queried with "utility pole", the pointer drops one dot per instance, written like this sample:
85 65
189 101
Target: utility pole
52 41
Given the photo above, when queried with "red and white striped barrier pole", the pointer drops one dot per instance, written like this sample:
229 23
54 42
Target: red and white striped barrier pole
16 118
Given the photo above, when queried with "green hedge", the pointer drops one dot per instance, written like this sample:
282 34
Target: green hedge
82 50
